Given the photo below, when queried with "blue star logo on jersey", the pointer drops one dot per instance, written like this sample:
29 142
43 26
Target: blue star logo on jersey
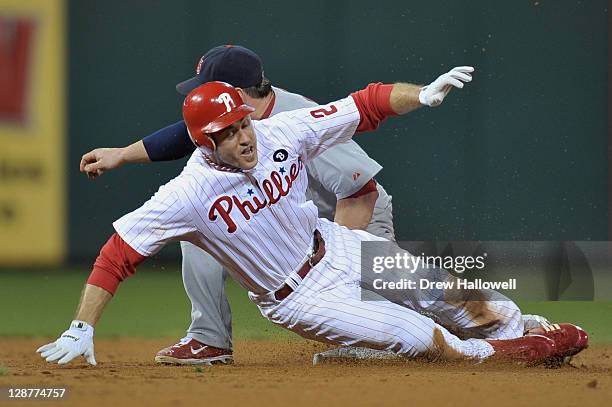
250 192
282 170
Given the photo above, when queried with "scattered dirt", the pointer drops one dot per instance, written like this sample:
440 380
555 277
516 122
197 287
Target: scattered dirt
274 373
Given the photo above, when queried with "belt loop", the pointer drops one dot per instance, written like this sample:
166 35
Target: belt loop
293 280
310 259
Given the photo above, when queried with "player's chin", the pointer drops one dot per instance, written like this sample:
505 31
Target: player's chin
248 161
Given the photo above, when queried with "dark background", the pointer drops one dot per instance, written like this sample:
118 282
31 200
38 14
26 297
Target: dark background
520 154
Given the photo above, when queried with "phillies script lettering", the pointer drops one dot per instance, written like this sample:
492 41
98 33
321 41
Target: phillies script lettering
276 187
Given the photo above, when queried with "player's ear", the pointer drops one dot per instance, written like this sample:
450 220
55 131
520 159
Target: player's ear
241 93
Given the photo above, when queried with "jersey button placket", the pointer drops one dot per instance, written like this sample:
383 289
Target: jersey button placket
256 186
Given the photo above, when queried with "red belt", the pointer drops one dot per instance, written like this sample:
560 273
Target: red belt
317 254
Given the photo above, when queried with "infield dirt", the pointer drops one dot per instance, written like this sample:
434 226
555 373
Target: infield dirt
274 373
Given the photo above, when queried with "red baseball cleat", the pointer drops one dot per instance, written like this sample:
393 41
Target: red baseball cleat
531 350
191 352
569 339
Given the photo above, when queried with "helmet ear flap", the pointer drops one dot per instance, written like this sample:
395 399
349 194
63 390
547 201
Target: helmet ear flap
213 145
203 140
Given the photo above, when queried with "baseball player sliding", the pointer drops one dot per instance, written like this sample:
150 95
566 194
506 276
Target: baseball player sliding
241 198
340 184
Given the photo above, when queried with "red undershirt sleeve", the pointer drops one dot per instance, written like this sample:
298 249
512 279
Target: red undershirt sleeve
116 262
374 105
370 186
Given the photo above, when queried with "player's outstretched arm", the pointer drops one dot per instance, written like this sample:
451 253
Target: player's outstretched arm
377 101
406 97
77 340
167 144
98 161
433 94
160 220
116 262
91 306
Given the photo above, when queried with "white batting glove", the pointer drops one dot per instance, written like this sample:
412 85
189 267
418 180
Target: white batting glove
76 341
532 322
434 93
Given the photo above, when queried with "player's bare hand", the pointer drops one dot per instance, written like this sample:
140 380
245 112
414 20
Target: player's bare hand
100 160
76 341
433 94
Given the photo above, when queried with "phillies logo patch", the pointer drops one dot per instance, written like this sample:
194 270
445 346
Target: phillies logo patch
274 188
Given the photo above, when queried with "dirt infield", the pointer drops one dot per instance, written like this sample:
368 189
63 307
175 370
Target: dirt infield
277 373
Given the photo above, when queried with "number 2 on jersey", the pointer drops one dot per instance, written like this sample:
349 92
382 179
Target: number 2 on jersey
322 112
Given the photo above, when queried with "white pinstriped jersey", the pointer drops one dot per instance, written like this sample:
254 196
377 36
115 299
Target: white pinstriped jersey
256 223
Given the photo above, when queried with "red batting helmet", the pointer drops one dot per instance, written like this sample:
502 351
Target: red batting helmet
210 108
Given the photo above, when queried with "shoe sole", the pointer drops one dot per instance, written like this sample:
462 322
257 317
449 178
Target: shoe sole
217 360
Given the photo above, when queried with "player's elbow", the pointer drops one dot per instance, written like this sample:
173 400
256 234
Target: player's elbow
367 204
356 212
370 198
